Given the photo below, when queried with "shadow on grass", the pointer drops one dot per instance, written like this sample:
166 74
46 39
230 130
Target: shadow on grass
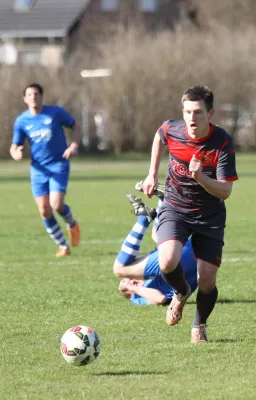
231 301
124 373
226 340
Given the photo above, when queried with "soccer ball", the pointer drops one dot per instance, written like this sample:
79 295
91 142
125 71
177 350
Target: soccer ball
80 345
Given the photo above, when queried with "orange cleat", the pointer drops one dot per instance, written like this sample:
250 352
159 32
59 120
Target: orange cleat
175 308
63 252
74 234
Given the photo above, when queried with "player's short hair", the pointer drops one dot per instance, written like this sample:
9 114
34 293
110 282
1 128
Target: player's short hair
35 86
196 93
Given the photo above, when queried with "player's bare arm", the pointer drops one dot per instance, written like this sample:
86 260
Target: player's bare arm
156 153
16 152
218 188
73 147
76 135
153 296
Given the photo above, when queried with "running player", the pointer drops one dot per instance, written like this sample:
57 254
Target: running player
201 171
42 125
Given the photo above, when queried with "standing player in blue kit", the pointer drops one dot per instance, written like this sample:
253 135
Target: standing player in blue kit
42 125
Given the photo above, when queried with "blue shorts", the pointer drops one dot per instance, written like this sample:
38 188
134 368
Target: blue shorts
188 263
49 178
152 267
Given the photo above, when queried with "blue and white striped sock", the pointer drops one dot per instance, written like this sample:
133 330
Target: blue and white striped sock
66 214
54 231
131 246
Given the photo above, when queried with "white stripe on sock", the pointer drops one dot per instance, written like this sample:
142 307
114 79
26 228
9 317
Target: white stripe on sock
133 240
50 230
55 234
128 250
58 241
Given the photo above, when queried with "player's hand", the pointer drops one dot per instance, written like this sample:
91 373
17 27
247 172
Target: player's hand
17 155
195 167
130 286
70 151
149 185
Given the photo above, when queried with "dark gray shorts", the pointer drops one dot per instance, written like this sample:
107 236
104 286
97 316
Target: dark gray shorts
207 232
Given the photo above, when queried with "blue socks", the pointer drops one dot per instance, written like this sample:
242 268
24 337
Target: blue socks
67 216
131 246
54 231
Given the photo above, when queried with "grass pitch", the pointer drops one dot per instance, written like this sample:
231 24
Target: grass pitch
141 357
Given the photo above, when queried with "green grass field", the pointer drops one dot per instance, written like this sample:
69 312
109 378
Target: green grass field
141 357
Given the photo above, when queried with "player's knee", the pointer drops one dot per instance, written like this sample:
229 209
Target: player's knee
167 264
169 254
118 269
57 207
206 282
45 212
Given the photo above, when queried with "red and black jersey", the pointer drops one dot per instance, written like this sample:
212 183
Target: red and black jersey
216 152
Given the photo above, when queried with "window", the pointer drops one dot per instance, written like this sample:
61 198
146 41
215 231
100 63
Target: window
110 5
23 5
148 5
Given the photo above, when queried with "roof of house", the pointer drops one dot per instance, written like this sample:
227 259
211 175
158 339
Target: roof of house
46 18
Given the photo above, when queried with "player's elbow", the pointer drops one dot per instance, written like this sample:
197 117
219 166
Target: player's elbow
226 190
225 196
226 193
159 300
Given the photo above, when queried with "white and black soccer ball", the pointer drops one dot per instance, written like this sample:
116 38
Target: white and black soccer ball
80 345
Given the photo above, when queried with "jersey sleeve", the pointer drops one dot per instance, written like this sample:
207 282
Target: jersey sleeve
18 133
162 131
65 118
226 166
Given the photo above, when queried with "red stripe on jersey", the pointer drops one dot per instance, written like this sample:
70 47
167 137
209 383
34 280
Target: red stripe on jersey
185 153
218 153
180 207
231 179
180 150
208 158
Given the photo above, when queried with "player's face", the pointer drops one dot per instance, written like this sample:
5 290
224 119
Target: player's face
197 117
33 98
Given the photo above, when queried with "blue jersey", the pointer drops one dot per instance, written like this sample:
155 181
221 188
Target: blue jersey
44 132
154 279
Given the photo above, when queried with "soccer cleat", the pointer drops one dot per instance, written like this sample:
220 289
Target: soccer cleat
139 208
158 191
63 252
74 234
175 308
198 334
